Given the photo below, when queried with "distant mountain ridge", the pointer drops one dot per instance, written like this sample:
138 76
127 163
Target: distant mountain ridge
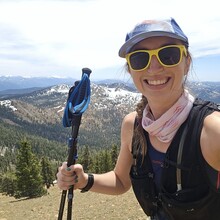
13 86
18 82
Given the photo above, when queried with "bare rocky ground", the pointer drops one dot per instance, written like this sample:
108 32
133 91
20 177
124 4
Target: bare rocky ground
85 206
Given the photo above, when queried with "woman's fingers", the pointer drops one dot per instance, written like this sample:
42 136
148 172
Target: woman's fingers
68 176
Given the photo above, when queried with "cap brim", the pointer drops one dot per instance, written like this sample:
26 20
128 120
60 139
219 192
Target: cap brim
127 46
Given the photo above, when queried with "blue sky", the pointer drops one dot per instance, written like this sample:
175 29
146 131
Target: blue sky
60 37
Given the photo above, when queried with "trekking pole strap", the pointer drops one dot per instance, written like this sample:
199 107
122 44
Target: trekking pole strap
78 100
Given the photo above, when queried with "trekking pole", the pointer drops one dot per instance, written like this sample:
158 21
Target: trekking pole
77 102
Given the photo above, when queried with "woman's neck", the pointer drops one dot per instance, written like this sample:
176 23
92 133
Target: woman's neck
159 107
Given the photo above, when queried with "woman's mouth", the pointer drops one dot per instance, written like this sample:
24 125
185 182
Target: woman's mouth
157 82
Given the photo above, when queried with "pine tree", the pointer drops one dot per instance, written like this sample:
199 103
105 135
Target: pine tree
114 155
8 183
85 159
96 168
105 160
47 172
28 172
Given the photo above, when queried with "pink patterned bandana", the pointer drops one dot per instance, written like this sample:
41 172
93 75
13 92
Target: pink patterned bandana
165 127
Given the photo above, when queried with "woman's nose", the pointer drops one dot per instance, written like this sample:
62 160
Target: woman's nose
154 65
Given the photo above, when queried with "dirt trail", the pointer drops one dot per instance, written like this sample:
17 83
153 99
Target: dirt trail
85 206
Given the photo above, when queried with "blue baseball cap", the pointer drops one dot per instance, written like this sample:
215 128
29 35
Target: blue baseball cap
152 28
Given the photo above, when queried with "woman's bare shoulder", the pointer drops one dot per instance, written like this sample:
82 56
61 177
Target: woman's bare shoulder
212 126
127 129
129 118
210 140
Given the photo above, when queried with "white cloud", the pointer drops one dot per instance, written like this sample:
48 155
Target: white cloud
48 37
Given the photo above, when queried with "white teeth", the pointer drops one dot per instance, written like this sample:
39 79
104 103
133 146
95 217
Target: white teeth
156 82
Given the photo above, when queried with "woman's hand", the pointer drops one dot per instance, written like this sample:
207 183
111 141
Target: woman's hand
69 176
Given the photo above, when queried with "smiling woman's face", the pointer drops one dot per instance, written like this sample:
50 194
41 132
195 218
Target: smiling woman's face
157 82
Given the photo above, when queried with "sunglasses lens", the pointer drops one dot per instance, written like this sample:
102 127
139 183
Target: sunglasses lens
139 60
170 55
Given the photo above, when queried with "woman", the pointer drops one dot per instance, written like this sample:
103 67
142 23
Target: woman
170 151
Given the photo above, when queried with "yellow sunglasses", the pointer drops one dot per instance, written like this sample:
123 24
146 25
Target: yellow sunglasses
168 56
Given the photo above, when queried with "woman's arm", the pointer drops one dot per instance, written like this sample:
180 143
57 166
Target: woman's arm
114 182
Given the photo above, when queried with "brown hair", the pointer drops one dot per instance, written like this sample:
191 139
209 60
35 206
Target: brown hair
139 144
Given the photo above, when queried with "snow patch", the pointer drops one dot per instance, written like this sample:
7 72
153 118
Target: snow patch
8 104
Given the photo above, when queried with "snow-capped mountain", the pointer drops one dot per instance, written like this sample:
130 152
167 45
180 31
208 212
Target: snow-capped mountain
40 112
45 107
104 96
